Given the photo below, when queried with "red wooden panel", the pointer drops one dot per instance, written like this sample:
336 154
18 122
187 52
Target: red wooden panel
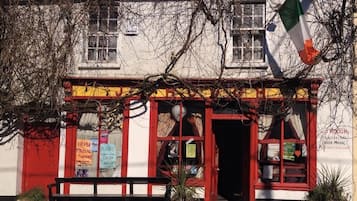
40 157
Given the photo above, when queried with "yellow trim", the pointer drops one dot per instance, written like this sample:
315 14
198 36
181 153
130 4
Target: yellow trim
91 91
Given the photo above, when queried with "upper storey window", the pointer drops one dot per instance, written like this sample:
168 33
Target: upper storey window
248 31
102 34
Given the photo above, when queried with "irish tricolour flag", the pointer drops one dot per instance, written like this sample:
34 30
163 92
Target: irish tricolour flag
292 15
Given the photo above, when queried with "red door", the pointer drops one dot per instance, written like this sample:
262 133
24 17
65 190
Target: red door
40 157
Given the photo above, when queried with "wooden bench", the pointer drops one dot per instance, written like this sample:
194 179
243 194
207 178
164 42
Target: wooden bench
94 181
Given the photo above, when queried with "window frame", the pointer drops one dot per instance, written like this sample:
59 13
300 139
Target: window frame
154 150
310 161
72 128
97 33
252 31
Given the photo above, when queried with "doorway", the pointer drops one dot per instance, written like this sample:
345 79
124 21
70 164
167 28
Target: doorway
232 139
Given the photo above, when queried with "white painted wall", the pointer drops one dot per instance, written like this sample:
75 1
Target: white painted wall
334 140
138 146
10 168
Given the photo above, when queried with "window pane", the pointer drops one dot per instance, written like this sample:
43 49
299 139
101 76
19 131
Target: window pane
113 13
103 13
258 41
237 42
103 26
110 153
247 22
112 54
113 26
102 55
237 10
237 54
258 9
247 9
258 54
102 41
258 22
93 26
237 22
92 41
91 54
112 42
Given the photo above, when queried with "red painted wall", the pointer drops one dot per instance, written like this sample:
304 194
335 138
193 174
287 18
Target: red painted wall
40 157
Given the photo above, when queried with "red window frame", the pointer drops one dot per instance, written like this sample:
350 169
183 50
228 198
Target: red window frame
310 140
154 139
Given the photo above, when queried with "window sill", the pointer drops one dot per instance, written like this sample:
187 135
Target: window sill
99 66
247 66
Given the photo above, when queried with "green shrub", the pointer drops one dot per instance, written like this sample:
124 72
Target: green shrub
34 194
330 186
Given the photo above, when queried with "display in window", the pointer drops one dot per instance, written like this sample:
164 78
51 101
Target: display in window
83 152
107 156
183 124
289 151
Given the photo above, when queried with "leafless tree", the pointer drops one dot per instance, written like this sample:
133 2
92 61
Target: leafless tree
34 57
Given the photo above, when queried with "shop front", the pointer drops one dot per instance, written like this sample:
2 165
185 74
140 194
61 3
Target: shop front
239 143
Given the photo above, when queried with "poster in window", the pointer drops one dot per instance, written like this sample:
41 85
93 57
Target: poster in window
190 150
83 152
94 144
289 150
107 156
104 137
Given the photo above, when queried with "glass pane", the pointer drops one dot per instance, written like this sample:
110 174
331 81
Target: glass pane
91 54
93 14
258 54
247 54
269 172
237 22
87 146
86 153
294 163
258 41
237 54
247 10
237 10
247 22
258 9
113 13
93 26
112 42
110 153
237 42
92 41
102 55
103 26
103 13
112 54
113 26
258 22
102 41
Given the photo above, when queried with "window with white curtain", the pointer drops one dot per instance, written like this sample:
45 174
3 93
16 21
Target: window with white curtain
282 148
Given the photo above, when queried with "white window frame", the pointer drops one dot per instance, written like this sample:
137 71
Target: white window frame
98 63
232 62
